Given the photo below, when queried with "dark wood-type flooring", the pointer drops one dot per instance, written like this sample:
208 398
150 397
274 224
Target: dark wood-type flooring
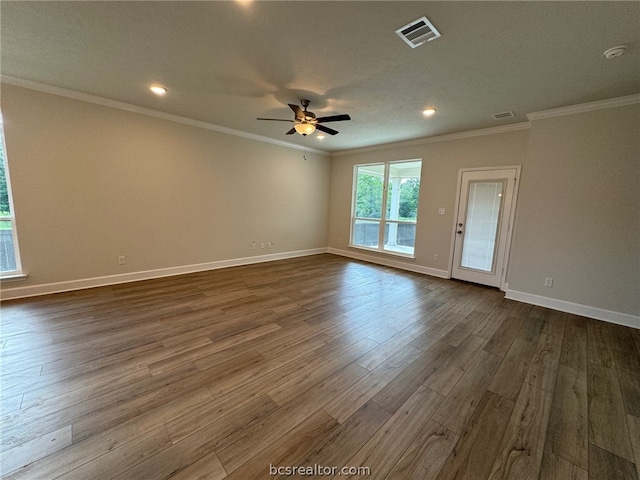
321 360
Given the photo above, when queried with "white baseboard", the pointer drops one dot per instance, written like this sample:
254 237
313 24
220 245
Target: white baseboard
59 287
576 308
390 263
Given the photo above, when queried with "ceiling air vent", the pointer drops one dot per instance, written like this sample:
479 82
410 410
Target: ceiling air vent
501 115
418 32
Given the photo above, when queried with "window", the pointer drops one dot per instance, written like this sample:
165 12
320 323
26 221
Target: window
9 256
386 222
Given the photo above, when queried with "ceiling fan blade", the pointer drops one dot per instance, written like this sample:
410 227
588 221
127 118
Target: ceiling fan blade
324 129
291 132
333 118
275 119
297 110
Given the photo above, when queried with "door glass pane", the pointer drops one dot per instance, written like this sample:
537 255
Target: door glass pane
481 227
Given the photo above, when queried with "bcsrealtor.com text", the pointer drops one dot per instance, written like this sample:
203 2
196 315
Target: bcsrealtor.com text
317 470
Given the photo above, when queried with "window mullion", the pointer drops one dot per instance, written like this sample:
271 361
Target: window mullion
383 212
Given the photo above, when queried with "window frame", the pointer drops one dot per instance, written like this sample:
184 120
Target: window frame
18 272
383 220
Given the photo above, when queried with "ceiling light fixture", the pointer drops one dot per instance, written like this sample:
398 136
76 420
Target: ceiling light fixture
320 136
158 89
305 128
428 112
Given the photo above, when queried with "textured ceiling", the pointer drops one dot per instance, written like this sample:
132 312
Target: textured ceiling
228 62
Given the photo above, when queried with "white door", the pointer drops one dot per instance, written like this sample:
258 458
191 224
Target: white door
486 201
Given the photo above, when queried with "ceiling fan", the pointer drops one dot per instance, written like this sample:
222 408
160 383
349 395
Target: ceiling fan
306 121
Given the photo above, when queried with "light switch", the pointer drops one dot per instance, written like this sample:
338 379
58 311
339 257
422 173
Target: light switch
441 211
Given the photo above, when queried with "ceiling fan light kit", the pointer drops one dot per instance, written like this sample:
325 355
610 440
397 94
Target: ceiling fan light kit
306 122
158 89
305 128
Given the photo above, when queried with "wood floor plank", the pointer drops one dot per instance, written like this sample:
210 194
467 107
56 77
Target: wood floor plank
513 369
426 455
354 397
604 465
211 348
289 449
206 468
478 445
554 467
607 419
446 376
297 385
126 409
22 455
122 458
599 348
557 468
97 445
388 348
574 344
398 390
520 453
463 329
382 451
257 437
633 423
544 364
214 431
504 336
492 323
555 323
629 390
349 437
568 431
460 404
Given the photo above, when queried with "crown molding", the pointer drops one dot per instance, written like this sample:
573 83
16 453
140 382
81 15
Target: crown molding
107 102
585 107
439 138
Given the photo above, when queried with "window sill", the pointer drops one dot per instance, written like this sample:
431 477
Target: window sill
410 256
13 277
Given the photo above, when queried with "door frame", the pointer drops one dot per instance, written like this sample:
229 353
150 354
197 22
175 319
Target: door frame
509 217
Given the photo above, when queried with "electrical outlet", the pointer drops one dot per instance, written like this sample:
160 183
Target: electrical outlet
548 282
253 245
435 257
262 245
122 260
270 244
441 211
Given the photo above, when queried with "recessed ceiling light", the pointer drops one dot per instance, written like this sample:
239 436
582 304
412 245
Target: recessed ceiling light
615 51
158 89
428 112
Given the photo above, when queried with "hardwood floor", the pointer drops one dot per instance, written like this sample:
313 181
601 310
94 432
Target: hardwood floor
319 360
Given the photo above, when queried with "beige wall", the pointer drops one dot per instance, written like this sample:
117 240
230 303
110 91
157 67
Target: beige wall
91 183
441 162
578 218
